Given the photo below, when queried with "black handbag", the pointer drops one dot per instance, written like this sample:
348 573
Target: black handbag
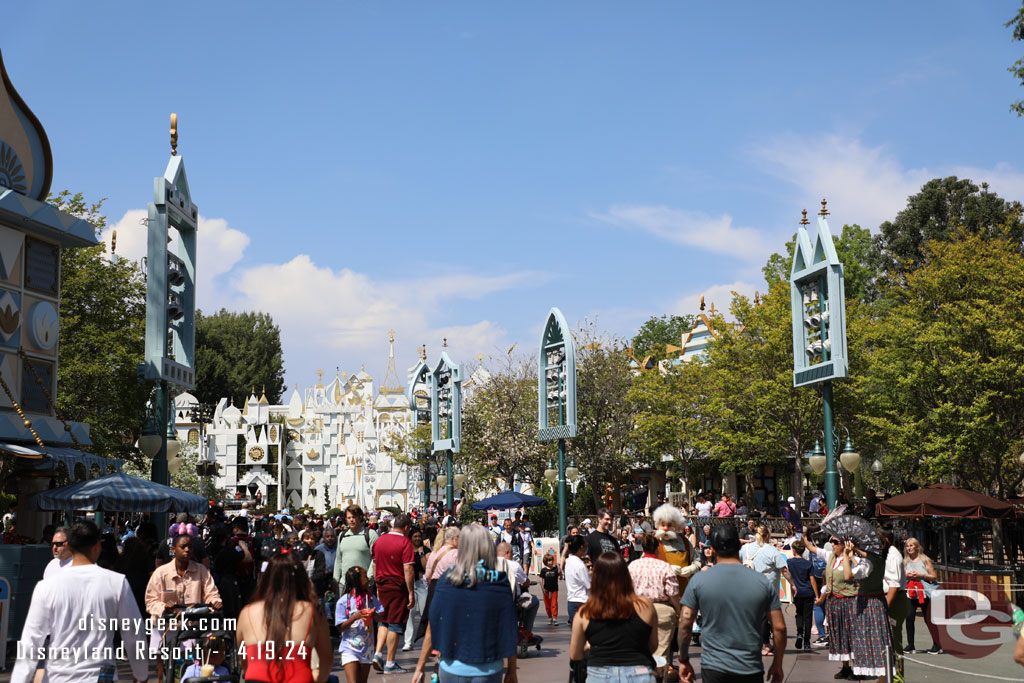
577 671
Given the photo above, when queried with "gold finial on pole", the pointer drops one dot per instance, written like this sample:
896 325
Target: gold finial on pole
423 352
824 208
444 343
803 219
757 298
391 336
113 243
174 134
702 302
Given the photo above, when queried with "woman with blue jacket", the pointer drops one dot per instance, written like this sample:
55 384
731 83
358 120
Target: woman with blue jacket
473 616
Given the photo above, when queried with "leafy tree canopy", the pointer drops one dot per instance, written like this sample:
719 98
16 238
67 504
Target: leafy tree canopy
948 366
103 329
938 212
237 353
1017 24
653 335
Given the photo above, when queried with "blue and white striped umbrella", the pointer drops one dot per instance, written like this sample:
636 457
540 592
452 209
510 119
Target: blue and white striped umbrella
120 492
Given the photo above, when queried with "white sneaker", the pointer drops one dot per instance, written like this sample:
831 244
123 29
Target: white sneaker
406 647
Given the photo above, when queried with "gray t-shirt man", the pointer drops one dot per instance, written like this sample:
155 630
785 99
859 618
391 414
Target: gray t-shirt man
354 545
733 601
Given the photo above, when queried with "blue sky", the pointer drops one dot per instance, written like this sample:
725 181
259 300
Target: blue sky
457 168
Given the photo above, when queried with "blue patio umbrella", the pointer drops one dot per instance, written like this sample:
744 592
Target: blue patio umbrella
507 500
120 492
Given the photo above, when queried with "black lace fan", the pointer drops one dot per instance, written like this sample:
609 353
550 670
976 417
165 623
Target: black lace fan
856 529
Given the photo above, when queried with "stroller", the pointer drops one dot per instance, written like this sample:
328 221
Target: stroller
526 638
203 644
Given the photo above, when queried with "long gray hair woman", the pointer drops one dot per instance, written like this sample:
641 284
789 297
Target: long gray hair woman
473 618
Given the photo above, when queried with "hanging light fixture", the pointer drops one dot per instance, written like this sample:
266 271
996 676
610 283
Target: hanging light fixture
460 477
817 459
173 449
442 480
572 473
149 442
876 466
550 474
850 458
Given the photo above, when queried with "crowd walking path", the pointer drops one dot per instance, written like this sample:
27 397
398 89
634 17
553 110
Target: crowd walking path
551 663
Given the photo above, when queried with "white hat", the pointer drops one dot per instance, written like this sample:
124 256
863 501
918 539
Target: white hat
587 522
791 499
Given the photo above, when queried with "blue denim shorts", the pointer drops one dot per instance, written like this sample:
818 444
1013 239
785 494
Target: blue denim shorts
620 674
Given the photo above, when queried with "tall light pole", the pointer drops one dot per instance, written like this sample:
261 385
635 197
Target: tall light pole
170 299
446 415
556 396
818 306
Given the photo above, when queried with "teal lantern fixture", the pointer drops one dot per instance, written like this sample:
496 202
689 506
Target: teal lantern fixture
446 415
818 306
556 396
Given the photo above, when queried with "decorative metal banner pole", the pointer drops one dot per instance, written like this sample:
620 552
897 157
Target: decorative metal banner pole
556 396
418 395
818 304
170 301
446 415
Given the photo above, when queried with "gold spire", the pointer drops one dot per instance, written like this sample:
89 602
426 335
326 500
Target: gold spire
444 343
174 134
824 208
391 336
423 352
319 379
263 397
113 243
803 219
702 302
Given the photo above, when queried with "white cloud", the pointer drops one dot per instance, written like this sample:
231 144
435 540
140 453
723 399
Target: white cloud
719 295
688 228
218 249
334 317
865 185
343 315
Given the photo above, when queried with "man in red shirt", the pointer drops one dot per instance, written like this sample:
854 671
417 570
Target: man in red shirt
394 573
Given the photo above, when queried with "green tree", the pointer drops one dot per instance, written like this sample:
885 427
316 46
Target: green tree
668 414
237 353
653 335
754 416
1017 24
939 211
604 414
946 381
103 329
499 426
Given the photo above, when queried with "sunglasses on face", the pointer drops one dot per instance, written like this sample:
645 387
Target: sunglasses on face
59 544
835 541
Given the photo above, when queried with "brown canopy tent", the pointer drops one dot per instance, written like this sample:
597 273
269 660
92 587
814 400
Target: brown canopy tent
943 500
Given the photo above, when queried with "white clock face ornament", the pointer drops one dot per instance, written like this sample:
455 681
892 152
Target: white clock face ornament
43 325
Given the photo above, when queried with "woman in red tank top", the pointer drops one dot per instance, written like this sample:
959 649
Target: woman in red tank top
282 627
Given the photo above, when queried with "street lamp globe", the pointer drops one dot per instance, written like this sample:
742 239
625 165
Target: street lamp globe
421 484
442 480
572 473
550 475
850 458
817 459
876 466
460 478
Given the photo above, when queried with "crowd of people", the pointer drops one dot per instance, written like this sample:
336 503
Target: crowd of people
309 591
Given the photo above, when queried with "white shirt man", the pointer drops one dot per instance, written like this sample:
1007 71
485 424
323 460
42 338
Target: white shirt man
577 576
61 553
522 584
68 609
